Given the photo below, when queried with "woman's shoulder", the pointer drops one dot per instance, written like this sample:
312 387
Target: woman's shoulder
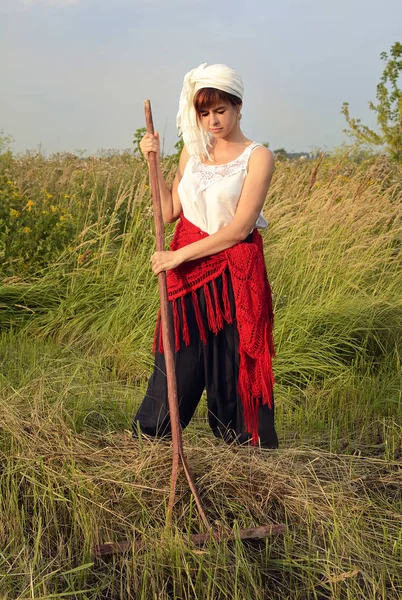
260 153
183 160
262 149
261 160
185 155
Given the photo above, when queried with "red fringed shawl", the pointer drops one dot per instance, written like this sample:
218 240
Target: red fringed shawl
253 306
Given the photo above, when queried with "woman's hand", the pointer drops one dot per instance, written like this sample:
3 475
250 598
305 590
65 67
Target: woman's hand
163 261
150 143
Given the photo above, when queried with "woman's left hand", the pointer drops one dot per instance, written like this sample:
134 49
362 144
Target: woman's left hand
163 261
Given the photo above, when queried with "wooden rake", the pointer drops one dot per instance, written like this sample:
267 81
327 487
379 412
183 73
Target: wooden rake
177 440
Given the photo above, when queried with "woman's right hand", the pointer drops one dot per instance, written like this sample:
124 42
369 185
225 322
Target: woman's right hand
150 143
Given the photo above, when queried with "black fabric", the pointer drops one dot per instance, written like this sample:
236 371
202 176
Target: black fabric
214 367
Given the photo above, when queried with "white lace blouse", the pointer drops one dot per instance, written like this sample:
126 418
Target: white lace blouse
209 193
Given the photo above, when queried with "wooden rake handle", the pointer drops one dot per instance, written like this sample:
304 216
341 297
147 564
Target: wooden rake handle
167 340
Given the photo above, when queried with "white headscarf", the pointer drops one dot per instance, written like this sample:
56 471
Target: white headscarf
220 77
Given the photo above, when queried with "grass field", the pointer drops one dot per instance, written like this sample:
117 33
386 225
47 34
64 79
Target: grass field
77 311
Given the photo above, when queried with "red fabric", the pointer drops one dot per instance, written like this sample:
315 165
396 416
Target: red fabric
253 305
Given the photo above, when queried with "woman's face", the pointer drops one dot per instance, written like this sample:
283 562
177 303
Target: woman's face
220 120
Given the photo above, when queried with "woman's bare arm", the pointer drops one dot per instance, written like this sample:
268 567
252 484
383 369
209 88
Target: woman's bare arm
170 201
176 204
256 184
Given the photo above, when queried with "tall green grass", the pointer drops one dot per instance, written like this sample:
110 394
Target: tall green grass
75 355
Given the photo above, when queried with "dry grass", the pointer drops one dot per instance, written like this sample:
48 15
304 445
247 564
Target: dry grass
72 491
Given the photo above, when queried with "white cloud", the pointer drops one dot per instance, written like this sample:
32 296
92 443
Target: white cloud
49 2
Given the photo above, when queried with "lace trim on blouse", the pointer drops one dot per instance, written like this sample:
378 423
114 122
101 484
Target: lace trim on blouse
207 175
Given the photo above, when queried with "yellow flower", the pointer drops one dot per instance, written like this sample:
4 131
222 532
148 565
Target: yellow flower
67 197
49 195
53 208
14 213
27 229
29 205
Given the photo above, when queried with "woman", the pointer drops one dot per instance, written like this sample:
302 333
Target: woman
219 297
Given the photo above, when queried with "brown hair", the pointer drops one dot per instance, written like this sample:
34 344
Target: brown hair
205 98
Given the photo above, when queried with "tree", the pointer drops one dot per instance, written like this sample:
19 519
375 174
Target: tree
179 145
280 154
388 109
138 135
5 141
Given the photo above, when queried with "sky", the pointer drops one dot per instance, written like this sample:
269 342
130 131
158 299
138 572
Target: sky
74 74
